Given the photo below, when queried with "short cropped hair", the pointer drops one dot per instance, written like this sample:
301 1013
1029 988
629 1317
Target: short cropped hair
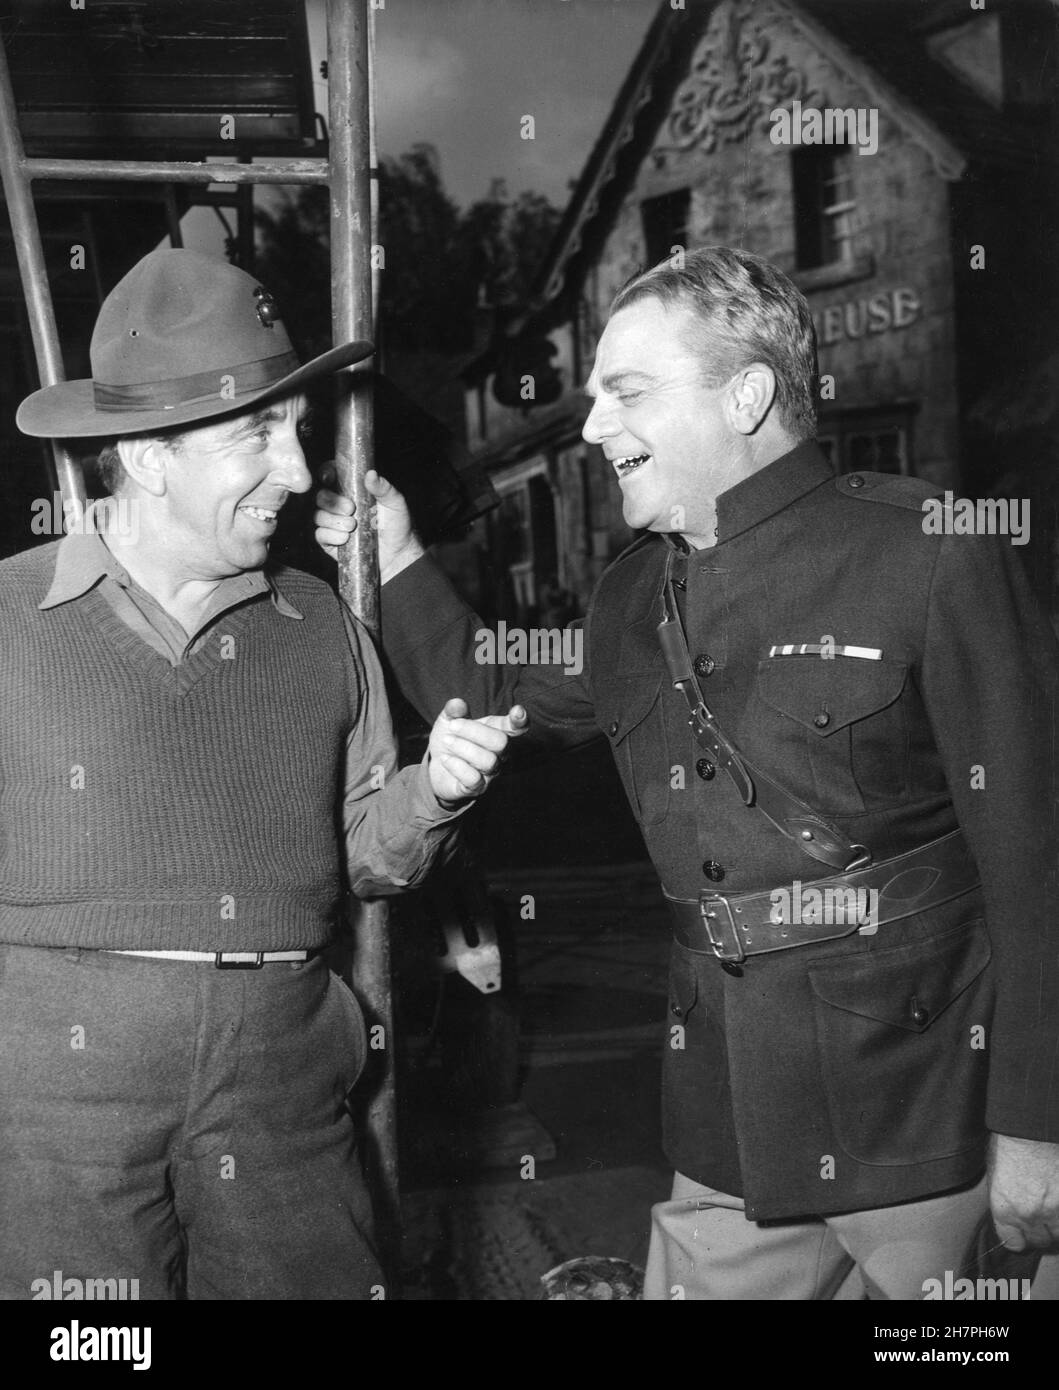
109 469
749 312
108 466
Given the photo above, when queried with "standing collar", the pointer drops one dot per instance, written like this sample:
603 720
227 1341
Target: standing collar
768 491
83 559
771 489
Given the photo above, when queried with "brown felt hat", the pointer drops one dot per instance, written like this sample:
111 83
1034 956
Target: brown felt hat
182 338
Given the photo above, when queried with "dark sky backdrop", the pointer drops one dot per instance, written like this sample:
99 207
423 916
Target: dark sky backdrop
462 73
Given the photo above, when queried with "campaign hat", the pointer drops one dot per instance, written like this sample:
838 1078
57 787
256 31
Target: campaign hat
182 338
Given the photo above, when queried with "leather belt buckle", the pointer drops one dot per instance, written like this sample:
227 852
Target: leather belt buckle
720 928
236 960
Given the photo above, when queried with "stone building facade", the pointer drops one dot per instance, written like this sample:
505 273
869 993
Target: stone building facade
921 234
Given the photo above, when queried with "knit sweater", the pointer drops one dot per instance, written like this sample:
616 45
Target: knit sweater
144 805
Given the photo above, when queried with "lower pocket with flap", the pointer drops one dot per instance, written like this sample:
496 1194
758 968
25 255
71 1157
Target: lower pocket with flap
903 1034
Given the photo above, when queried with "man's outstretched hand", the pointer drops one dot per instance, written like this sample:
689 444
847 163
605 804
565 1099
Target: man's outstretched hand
465 753
335 520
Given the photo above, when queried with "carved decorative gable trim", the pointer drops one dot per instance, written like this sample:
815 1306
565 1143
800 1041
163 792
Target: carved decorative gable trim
737 77
740 73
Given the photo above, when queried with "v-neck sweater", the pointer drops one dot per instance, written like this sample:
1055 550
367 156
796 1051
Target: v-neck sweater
145 803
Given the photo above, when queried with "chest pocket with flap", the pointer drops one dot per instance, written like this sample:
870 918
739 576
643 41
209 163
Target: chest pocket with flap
837 723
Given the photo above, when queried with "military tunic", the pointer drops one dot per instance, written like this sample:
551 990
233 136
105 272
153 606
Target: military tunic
855 1073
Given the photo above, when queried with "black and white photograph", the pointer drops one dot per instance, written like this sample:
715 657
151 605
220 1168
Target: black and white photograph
529 594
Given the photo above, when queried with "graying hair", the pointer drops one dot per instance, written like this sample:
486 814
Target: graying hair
749 312
108 465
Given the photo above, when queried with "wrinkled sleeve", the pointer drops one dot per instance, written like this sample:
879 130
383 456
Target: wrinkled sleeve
433 642
989 677
393 824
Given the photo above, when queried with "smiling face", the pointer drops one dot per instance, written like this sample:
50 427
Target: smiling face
662 422
225 485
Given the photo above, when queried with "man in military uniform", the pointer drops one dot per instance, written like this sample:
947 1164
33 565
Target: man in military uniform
858 706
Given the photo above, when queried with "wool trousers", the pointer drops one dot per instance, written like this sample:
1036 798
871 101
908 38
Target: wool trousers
703 1247
181 1126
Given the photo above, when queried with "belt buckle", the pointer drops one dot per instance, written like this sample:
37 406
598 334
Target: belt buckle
725 939
223 964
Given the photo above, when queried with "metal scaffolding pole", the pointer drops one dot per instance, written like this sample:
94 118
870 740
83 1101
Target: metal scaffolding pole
32 270
349 172
351 163
197 171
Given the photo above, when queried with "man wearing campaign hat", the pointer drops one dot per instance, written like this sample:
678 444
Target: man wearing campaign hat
193 748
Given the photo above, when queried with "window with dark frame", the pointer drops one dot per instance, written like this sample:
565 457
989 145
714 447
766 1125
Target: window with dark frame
822 176
665 223
868 441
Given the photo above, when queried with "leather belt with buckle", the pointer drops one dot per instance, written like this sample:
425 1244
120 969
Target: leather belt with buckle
224 960
733 926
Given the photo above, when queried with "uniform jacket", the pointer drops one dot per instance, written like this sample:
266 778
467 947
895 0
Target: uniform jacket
848 1074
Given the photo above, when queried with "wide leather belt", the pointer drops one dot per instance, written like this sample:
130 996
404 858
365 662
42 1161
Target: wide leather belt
733 926
224 960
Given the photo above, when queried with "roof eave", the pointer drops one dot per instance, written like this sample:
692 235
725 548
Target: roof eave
950 162
618 130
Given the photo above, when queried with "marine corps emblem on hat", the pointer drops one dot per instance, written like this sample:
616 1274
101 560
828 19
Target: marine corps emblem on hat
183 337
266 307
